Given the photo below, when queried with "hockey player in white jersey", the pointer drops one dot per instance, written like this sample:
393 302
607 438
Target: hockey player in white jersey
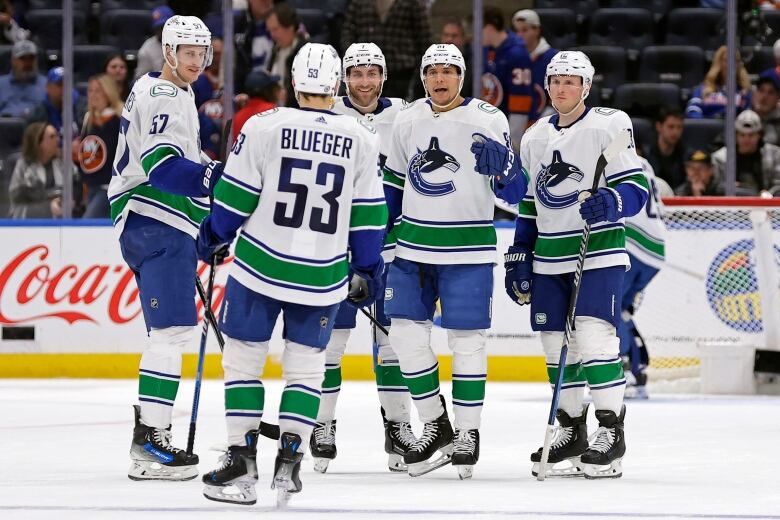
449 158
645 245
159 194
560 154
300 185
365 71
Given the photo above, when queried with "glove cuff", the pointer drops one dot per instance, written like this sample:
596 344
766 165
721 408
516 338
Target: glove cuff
372 273
210 177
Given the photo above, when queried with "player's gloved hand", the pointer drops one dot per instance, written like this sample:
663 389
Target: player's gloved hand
211 176
494 159
209 246
518 262
604 205
366 287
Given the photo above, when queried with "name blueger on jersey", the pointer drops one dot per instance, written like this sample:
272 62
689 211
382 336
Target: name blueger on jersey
316 141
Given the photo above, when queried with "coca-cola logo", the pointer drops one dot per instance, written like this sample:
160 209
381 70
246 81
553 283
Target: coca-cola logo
33 289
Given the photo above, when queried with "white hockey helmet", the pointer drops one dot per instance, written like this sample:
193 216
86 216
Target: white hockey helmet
365 54
571 63
186 30
316 69
443 54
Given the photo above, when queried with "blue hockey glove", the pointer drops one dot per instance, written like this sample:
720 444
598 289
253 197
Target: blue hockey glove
494 159
211 176
604 205
518 262
366 287
208 244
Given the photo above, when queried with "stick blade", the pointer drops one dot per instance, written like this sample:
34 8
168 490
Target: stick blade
621 142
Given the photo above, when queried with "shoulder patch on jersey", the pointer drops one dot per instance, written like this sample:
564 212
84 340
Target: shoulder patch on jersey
408 105
487 107
267 112
365 125
130 102
604 111
161 89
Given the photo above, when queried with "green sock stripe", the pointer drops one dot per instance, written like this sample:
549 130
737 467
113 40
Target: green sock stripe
600 374
466 390
299 403
156 387
423 384
245 398
571 373
389 376
332 378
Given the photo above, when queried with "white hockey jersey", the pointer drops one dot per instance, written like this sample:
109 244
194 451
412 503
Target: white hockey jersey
304 180
561 162
159 120
645 231
447 210
381 119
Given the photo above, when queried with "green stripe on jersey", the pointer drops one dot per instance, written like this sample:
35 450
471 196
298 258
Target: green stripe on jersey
447 236
236 197
159 154
176 202
389 375
613 238
390 177
424 384
637 178
151 386
368 215
600 374
299 403
244 398
468 390
332 378
652 245
289 271
527 208
571 373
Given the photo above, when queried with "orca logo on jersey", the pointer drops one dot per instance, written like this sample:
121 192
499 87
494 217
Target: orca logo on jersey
553 175
428 161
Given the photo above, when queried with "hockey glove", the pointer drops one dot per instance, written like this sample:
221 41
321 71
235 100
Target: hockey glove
518 262
208 244
604 205
211 176
366 287
494 159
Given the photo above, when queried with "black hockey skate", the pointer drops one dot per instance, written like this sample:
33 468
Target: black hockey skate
287 468
436 436
153 456
604 456
466 453
234 482
398 439
322 445
570 442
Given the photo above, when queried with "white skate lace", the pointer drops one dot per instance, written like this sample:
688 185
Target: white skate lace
226 460
562 436
465 442
404 433
605 437
428 436
325 433
163 439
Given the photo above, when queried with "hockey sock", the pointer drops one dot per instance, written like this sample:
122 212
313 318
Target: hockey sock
573 387
393 394
243 362
304 368
159 374
469 372
601 362
331 384
411 340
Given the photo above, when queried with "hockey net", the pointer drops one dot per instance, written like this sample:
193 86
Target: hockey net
719 286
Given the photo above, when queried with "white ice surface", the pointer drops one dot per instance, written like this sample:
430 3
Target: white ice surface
64 452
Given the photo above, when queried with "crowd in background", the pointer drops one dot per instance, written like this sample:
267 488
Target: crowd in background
267 36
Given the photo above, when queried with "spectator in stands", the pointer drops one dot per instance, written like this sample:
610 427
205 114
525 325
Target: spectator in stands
527 25
758 163
150 55
700 179
765 101
506 81
253 42
116 68
709 99
774 72
23 90
35 189
667 153
10 29
402 30
263 90
54 102
453 31
283 24
97 144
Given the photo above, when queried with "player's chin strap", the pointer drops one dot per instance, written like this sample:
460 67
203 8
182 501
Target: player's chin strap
582 100
175 65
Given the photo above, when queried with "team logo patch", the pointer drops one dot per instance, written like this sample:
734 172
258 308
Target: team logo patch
555 175
430 161
154 303
540 318
492 90
388 293
525 285
323 321
92 153
732 287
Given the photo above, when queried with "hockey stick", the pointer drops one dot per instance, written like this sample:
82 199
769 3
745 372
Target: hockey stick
374 322
268 430
620 143
374 341
201 355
